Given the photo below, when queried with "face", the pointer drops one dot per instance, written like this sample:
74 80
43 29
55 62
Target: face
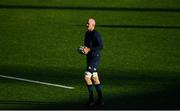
90 24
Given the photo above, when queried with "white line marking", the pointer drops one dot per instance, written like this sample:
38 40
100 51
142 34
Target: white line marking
38 82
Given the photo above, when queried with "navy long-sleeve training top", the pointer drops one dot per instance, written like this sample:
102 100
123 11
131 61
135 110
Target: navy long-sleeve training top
93 41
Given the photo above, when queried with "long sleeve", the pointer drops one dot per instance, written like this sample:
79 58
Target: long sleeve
98 44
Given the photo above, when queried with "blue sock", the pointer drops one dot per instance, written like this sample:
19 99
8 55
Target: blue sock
99 91
98 87
90 89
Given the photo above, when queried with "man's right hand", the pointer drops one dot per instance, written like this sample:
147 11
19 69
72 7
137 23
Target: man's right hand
86 50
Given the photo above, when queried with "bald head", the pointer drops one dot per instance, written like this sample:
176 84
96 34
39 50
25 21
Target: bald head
91 24
92 21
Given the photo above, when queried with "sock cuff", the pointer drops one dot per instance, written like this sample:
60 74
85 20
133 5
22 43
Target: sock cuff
98 86
90 88
89 85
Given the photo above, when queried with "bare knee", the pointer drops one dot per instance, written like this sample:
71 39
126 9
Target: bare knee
87 78
95 78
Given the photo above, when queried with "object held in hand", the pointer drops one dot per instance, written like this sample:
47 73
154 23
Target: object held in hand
81 50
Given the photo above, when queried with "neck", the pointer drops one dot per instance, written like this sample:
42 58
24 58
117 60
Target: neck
91 29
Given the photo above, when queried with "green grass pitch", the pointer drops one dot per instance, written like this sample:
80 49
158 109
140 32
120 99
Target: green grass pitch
140 64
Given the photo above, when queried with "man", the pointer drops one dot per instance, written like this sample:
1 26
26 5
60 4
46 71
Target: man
92 50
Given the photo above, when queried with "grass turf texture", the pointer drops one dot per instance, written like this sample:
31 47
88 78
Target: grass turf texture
140 63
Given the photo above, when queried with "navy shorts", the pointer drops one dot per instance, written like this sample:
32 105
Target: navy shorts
92 60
